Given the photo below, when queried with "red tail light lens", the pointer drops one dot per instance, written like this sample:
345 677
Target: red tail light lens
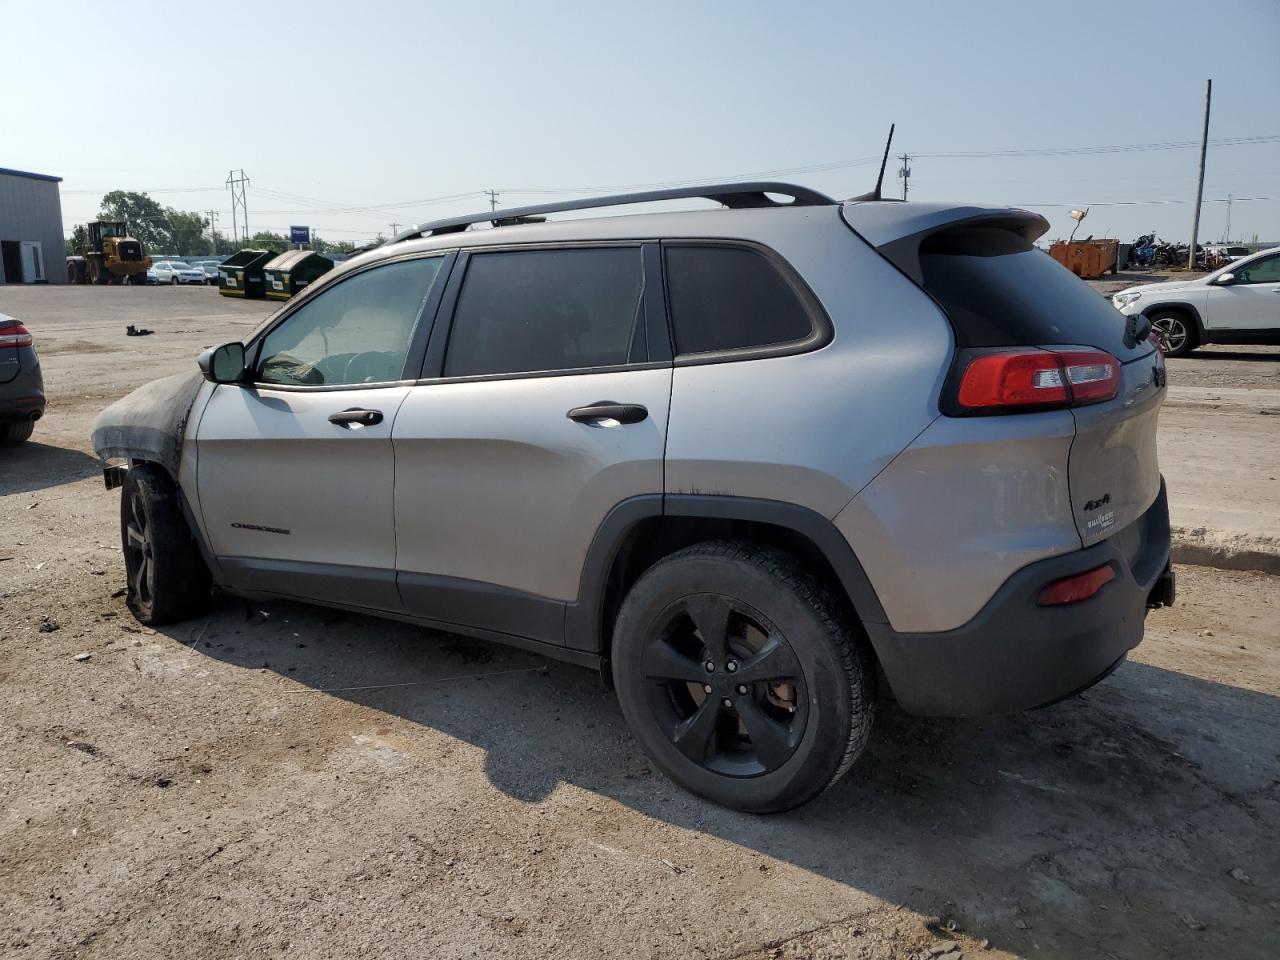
15 335
1073 589
1012 379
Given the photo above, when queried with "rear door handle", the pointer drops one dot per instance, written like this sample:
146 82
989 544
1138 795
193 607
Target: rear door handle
608 410
345 418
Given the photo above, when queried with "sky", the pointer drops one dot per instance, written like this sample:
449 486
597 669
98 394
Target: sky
351 116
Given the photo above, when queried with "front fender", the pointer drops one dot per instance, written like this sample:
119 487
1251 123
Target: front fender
149 423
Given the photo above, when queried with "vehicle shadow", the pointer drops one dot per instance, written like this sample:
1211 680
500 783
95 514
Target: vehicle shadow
32 466
1102 826
1235 354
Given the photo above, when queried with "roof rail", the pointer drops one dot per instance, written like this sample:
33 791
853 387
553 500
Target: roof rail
735 195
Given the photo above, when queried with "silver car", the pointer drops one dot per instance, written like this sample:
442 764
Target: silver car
175 271
757 464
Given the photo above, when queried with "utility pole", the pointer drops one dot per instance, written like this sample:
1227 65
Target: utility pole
1226 237
904 174
239 200
395 229
493 199
1204 146
213 230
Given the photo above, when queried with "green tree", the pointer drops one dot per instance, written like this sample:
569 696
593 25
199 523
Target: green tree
147 219
186 232
78 240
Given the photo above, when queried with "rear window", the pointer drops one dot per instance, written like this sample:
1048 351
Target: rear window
730 298
999 290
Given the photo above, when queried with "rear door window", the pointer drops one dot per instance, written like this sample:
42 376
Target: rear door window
532 311
730 298
999 290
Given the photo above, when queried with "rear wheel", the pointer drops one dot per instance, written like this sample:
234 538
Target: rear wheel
14 433
1176 332
741 677
167 577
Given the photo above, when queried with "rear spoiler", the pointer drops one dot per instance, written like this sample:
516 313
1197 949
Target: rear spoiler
896 229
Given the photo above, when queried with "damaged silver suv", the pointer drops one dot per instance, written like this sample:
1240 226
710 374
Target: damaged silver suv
754 463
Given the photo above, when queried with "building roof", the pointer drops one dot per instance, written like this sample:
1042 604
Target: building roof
33 176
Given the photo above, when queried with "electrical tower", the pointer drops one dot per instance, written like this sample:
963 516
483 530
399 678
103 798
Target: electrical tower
213 230
904 173
239 200
493 199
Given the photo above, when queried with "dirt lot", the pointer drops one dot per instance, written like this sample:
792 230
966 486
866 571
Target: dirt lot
284 781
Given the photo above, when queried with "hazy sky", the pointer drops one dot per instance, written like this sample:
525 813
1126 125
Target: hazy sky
349 116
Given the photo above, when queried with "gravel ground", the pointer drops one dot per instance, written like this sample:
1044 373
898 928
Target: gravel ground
278 780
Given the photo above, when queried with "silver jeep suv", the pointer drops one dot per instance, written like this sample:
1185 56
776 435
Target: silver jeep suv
757 464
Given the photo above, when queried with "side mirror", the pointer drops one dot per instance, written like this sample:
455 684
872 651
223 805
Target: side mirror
224 364
1225 279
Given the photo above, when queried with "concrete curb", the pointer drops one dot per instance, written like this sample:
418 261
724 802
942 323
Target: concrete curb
1226 551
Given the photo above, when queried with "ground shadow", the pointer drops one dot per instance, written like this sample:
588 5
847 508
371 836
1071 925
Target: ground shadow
1103 826
1233 354
32 466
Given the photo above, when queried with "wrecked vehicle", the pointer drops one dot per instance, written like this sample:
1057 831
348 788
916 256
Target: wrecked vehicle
687 450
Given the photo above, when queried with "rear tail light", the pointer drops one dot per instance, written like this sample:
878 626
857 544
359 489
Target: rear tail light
1073 589
15 335
1008 380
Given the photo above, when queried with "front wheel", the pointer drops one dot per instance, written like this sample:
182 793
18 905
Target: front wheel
741 677
167 577
1176 333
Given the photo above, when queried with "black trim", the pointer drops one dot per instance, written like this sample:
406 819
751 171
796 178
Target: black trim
1015 655
584 618
1260 336
655 306
821 329
330 583
483 606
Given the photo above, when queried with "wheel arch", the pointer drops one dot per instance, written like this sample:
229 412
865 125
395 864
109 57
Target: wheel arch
642 530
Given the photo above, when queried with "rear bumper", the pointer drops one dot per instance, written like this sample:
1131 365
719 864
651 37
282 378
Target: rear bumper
1014 655
22 398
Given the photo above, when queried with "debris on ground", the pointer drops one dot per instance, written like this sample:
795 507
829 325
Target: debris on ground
1238 874
49 625
132 331
81 657
1193 923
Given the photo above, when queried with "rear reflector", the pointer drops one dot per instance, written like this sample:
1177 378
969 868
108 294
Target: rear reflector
1082 586
15 335
1006 380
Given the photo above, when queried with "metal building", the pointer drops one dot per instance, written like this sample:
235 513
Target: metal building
32 249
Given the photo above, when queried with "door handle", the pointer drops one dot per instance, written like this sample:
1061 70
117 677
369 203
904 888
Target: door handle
608 410
366 418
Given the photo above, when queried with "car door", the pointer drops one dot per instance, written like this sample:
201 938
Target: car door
1250 303
504 468
295 467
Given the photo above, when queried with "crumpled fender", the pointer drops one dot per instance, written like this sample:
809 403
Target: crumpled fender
149 423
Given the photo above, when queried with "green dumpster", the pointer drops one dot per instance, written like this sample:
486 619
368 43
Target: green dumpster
241 274
292 271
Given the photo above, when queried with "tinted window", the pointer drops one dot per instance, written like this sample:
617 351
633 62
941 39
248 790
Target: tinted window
547 310
1266 270
999 290
356 331
726 298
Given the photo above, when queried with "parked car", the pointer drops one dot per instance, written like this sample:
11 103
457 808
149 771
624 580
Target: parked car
175 271
21 384
209 268
743 461
1238 303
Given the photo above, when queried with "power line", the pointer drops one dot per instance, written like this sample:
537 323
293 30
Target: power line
1114 148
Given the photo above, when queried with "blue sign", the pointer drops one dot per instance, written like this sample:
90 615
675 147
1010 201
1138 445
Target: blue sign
299 234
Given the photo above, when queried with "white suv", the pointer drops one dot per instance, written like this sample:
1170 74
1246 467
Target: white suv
1238 304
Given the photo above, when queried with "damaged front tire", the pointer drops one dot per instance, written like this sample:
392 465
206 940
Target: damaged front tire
167 577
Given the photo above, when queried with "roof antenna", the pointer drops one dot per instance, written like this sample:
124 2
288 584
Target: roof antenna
875 194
